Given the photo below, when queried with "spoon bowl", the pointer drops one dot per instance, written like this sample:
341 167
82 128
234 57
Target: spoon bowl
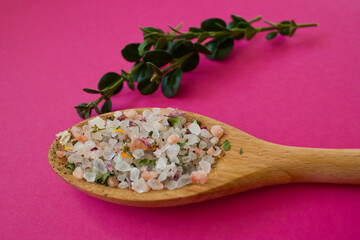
260 164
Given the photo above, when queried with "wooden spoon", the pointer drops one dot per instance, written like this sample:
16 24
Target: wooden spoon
261 164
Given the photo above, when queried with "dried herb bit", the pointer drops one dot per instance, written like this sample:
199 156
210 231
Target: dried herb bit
226 145
241 151
145 161
182 144
70 166
102 178
162 58
174 121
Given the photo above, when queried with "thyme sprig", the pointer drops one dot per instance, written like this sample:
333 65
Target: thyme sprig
162 57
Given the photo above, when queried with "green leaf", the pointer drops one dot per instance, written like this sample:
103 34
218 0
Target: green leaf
177 49
82 109
220 47
212 24
190 63
153 67
194 29
92 91
146 87
285 22
106 107
284 31
161 44
130 52
292 28
142 72
88 113
203 37
144 46
271 35
158 57
128 79
174 121
201 48
171 82
95 107
226 146
108 80
147 30
237 18
250 32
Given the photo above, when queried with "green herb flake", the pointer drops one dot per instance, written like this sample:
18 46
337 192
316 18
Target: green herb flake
105 194
151 133
181 144
143 162
152 162
226 145
174 121
241 151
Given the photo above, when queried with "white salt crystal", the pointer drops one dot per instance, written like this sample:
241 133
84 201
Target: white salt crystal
99 165
192 139
183 180
123 185
108 153
112 142
90 176
173 151
157 153
134 174
194 128
161 163
156 111
171 185
120 177
122 166
140 186
162 177
217 152
98 121
202 144
214 140
204 165
205 133
208 158
138 153
117 114
96 136
155 184
64 137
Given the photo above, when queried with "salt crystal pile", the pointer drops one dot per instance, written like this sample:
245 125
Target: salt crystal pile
157 149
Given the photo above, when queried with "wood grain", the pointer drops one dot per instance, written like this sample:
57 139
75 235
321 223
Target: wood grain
261 164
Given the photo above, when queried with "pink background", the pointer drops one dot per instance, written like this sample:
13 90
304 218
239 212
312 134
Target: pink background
303 91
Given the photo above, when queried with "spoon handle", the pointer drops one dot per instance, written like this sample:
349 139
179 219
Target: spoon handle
319 165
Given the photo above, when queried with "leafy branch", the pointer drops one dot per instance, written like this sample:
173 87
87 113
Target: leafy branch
162 57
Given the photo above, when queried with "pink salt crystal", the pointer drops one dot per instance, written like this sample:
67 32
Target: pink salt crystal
211 151
198 177
172 139
112 181
78 173
146 175
117 149
217 131
60 154
199 151
131 113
